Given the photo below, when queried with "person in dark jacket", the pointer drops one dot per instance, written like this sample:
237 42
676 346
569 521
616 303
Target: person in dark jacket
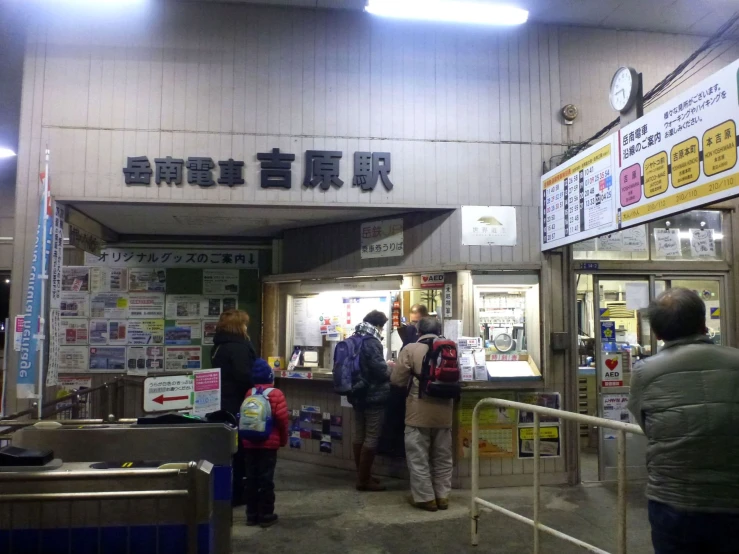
234 354
409 333
370 398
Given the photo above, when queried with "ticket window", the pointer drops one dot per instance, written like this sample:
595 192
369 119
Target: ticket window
507 320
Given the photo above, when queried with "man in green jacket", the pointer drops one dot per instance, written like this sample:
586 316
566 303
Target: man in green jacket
686 399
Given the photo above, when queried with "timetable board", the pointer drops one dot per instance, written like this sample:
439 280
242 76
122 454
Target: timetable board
679 156
579 197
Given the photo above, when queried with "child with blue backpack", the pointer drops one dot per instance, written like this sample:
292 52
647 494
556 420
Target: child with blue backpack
263 429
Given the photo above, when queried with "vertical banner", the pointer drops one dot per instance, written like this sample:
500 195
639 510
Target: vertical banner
28 362
57 257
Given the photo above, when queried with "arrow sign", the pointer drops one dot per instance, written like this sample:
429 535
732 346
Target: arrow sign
161 399
251 259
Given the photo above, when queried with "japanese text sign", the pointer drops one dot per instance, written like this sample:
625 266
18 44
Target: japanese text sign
168 393
382 239
174 257
679 156
488 226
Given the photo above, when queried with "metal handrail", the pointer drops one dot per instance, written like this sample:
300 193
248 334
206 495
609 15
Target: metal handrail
538 411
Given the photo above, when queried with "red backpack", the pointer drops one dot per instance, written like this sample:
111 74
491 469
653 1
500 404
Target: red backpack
440 370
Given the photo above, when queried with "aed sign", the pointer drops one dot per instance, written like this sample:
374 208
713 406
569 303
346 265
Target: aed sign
432 281
611 370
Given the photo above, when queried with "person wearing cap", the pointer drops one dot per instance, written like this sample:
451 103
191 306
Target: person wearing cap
261 457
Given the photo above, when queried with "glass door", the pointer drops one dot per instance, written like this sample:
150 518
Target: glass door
622 337
709 289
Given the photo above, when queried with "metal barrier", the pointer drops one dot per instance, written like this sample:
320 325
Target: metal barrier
538 411
91 518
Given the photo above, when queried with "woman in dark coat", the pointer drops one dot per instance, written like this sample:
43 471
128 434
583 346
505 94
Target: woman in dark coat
234 353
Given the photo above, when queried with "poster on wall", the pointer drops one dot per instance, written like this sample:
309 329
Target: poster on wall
220 281
145 331
109 305
615 408
207 391
182 332
146 305
142 359
209 331
107 279
214 306
543 399
497 427
55 328
381 239
57 256
108 358
550 441
174 257
182 358
702 243
73 359
75 304
147 279
75 279
108 332
183 305
67 386
488 226
73 332
306 322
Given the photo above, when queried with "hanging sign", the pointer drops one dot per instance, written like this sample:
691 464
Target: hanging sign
168 393
381 239
679 156
432 281
448 301
233 258
488 226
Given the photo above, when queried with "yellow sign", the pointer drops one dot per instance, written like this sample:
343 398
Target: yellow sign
496 441
527 433
686 164
276 363
719 148
122 302
655 175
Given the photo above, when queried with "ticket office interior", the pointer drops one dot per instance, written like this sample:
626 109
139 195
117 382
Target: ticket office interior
613 331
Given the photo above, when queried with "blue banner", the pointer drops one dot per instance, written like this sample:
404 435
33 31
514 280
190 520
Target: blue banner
28 360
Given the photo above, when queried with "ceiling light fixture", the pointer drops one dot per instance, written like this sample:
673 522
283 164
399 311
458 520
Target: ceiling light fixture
449 11
6 153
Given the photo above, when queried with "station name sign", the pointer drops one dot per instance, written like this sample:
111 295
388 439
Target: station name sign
679 156
321 170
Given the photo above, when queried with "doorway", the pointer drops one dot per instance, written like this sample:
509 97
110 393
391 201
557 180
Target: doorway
614 334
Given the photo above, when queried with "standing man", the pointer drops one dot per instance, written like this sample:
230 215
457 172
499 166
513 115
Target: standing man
409 333
686 399
428 426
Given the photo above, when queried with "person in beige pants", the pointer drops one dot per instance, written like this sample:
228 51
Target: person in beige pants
428 427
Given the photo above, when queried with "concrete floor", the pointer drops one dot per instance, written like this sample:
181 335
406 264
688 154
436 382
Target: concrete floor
320 512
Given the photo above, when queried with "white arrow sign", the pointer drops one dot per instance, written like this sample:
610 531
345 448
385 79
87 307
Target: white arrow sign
168 393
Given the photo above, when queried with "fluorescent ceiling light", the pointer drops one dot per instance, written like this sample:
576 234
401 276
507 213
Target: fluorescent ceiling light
6 153
481 13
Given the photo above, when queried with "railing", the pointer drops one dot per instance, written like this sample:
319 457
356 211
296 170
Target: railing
538 411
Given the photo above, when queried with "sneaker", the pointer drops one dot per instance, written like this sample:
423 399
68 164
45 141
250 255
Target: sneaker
429 506
267 520
442 503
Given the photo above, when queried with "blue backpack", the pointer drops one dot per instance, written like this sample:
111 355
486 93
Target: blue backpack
255 416
346 369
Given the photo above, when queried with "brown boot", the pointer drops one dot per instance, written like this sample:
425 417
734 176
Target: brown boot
429 506
357 456
364 483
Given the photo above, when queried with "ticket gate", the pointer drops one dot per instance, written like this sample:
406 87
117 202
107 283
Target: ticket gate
127 444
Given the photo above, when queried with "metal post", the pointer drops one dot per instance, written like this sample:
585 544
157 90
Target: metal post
621 491
536 482
475 462
192 509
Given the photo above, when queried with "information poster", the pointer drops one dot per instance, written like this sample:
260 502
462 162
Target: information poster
108 332
146 305
106 279
497 427
182 332
183 305
220 281
55 328
635 239
109 305
579 197
73 331
146 279
542 399
207 392
108 358
70 385
75 279
57 257
702 243
145 331
615 408
209 331
214 306
550 441
73 359
306 322
183 358
667 243
142 359
75 304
